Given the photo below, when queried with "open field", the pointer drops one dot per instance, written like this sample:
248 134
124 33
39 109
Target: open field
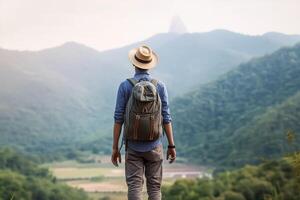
102 180
108 195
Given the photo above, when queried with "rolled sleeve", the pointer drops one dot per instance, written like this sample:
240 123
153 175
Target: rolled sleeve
165 103
120 105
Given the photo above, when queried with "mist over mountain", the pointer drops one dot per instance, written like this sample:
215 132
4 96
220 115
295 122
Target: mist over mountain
66 94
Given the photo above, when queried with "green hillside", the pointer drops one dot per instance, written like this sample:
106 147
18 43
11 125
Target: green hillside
273 180
243 116
21 178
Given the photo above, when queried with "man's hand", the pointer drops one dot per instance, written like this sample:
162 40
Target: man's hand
171 155
115 157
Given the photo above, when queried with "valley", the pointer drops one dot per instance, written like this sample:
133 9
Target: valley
103 179
234 99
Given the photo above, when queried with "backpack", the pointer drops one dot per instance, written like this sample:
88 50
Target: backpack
143 118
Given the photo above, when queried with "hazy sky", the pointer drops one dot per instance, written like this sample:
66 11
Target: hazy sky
105 24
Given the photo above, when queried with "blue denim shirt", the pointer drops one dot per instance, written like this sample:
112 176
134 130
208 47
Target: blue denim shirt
123 95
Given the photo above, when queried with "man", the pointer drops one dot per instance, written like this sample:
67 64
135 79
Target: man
144 152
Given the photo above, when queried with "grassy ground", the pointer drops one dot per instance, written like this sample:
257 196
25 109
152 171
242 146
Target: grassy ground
111 196
104 181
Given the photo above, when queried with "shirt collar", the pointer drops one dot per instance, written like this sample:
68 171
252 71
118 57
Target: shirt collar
139 74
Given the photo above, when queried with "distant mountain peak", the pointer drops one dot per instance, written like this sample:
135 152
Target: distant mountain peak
177 26
73 44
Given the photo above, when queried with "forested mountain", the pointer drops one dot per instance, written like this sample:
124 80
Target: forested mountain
65 95
244 116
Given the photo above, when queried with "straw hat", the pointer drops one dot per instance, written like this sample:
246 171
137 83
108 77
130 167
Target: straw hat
143 57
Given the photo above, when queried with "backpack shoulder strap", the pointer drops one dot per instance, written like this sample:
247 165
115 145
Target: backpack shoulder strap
132 81
154 82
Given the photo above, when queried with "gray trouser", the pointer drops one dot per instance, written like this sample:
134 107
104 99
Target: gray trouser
139 163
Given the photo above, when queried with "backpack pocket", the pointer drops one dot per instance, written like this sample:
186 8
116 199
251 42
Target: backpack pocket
144 127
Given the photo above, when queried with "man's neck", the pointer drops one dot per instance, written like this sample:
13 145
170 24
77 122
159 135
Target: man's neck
140 71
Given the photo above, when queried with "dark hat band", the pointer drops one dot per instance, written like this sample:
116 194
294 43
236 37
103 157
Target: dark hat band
142 61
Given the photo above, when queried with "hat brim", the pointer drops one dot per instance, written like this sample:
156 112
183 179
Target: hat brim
138 64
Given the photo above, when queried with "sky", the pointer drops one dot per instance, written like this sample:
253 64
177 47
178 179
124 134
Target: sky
107 24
